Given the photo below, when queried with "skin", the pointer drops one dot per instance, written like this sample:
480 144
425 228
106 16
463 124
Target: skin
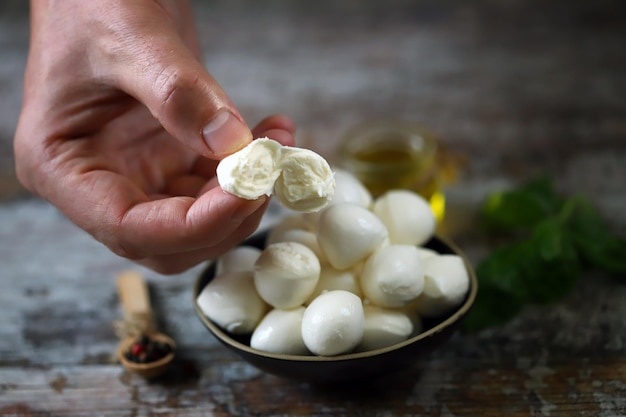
113 131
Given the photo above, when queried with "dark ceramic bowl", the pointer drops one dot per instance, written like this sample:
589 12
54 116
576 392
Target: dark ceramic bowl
351 366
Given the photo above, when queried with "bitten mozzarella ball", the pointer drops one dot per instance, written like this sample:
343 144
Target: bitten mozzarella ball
348 233
407 216
240 258
446 281
286 274
393 276
252 171
279 332
306 182
384 327
336 279
301 179
333 323
231 301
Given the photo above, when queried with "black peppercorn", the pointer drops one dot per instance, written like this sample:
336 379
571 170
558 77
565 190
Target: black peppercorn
146 350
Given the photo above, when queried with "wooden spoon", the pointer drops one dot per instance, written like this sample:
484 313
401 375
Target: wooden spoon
135 300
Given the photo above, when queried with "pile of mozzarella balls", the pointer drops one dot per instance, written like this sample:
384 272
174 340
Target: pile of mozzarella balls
352 277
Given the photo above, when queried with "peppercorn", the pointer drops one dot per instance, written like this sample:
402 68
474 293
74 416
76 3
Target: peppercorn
146 350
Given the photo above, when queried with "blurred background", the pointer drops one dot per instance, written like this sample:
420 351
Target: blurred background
515 87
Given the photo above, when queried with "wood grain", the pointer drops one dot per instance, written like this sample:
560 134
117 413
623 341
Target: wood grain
516 88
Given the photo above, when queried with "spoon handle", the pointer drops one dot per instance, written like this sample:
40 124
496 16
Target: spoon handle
135 299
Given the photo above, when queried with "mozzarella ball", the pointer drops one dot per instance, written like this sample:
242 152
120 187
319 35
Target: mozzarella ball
280 332
286 274
426 253
305 237
446 282
348 189
240 258
336 279
250 172
348 233
333 323
411 312
293 221
384 327
393 276
306 183
407 216
231 301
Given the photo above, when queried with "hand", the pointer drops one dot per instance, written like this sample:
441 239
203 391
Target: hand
122 128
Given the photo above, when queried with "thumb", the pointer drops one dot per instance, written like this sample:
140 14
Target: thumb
159 70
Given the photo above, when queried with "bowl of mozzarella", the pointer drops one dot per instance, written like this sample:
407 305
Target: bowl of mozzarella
360 288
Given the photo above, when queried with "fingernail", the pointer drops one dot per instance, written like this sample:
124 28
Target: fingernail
247 208
225 134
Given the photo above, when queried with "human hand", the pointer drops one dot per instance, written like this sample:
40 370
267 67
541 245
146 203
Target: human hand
122 129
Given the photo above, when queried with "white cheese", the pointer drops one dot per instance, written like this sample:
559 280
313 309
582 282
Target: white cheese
333 323
407 216
348 233
446 281
306 182
240 258
280 332
301 179
384 327
231 301
252 171
393 276
286 274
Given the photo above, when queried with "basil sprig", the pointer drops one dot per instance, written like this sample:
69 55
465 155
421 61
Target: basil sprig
550 240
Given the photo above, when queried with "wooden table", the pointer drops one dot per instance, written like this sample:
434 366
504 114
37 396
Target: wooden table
516 87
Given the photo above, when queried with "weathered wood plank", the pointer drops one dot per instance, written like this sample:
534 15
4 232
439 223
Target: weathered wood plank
463 388
516 87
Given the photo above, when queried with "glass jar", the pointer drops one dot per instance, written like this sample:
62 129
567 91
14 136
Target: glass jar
394 155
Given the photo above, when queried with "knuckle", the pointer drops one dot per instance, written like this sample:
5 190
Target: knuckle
32 157
124 249
172 85
116 237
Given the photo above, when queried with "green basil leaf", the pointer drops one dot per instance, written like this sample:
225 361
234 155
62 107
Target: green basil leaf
550 264
609 255
543 264
502 270
520 208
595 241
492 307
584 221
549 239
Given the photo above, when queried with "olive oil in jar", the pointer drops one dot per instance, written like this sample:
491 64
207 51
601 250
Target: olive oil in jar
386 156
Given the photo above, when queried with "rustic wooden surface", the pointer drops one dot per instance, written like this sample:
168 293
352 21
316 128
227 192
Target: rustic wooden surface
516 87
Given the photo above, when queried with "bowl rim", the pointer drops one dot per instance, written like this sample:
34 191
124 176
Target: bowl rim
453 318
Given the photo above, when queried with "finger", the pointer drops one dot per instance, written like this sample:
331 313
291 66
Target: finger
179 262
149 60
185 185
276 121
181 224
282 136
204 167
277 127
119 214
212 183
